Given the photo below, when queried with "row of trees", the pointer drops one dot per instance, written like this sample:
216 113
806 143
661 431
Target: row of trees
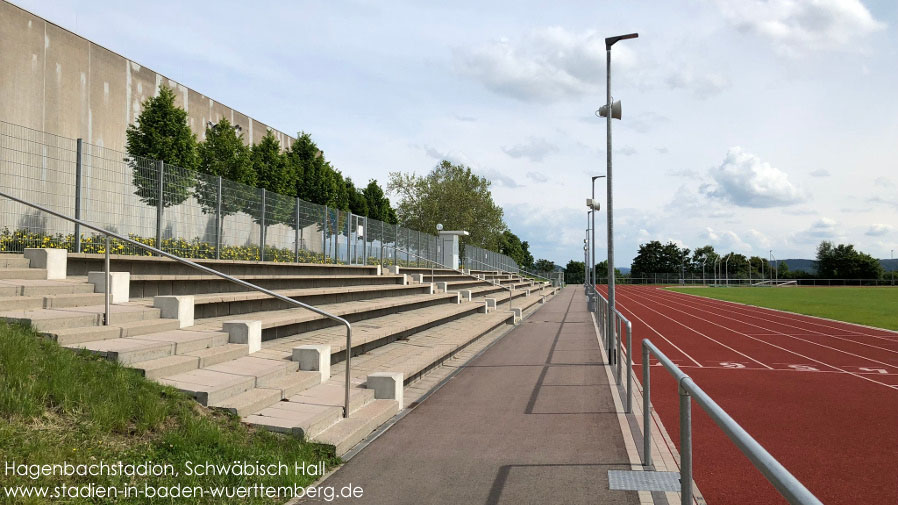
161 132
449 194
833 262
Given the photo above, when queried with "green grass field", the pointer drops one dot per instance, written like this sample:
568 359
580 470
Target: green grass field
60 406
873 306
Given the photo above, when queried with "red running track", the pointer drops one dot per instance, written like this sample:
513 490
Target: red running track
821 396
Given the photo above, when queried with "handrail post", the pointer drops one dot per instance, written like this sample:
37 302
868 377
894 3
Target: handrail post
78 165
218 222
106 291
296 238
646 407
685 445
348 376
629 367
160 167
620 334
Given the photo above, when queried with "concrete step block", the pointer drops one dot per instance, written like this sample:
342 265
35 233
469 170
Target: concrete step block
142 327
209 387
332 393
52 260
294 383
163 367
47 288
298 419
23 274
347 433
220 354
119 282
249 402
261 369
176 307
21 302
189 340
13 261
127 350
87 334
64 301
49 320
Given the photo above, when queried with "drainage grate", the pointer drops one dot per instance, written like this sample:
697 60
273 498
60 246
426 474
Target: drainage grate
643 481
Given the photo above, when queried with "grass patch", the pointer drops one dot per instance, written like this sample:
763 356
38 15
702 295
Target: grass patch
872 306
61 406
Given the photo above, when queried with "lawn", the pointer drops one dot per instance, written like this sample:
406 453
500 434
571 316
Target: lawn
58 406
872 306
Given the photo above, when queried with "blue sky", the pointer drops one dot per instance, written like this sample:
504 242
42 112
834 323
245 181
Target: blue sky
749 125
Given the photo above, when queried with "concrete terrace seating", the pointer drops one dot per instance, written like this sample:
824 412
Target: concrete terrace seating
248 353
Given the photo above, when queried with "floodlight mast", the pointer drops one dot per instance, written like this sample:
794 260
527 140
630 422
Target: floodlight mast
610 41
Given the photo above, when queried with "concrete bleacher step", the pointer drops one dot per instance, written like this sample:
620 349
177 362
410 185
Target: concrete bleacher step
275 390
192 360
78 317
153 346
40 287
312 411
23 273
19 302
14 261
346 433
165 284
122 330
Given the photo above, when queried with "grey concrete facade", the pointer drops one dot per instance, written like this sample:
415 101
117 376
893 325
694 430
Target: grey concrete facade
58 82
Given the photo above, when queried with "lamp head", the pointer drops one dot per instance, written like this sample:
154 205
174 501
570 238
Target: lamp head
610 41
439 227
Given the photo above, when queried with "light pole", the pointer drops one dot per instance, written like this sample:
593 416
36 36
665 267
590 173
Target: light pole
703 270
609 113
594 206
726 269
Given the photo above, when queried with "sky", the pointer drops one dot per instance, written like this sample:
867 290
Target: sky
749 125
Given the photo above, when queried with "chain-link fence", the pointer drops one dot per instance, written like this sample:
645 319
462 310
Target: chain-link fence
182 211
690 279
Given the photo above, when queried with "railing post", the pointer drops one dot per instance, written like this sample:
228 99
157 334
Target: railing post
348 376
646 407
396 244
218 222
78 154
685 445
160 168
298 234
108 283
629 367
348 236
365 242
262 230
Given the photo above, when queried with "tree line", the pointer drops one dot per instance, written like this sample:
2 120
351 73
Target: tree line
450 194
840 261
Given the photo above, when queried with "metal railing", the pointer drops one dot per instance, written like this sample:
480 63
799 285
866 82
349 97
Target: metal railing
611 343
407 254
494 260
202 268
531 274
497 284
788 486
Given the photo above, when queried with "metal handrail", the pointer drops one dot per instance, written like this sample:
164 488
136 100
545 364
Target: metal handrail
609 343
531 274
788 486
208 270
432 262
498 285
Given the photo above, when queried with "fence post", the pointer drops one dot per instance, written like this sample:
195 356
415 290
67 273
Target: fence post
324 238
365 242
646 407
262 230
350 254
160 167
396 246
298 234
685 445
78 152
218 226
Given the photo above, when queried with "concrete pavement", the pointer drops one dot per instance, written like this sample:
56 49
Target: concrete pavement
531 420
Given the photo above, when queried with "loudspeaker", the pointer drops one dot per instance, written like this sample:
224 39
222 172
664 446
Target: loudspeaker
615 110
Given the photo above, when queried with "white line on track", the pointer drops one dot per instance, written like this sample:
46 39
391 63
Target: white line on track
670 296
746 356
792 352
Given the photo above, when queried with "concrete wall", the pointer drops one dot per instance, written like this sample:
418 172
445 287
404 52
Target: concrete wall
58 82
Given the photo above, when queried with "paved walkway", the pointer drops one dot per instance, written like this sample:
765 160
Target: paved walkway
531 420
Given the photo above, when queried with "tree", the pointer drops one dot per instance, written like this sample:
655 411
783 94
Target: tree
272 175
358 204
161 133
543 266
452 195
602 271
378 204
654 257
844 262
223 154
574 272
512 246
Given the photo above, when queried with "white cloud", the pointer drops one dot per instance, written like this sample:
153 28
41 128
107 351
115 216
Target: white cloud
820 172
797 26
535 149
878 230
537 177
822 229
701 85
724 241
745 180
545 65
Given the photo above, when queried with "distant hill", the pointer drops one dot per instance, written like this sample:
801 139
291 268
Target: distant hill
808 265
